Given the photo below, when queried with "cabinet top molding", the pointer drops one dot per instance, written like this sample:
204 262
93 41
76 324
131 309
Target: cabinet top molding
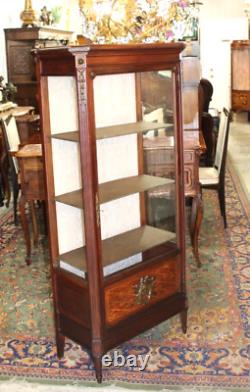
239 44
104 59
34 33
95 48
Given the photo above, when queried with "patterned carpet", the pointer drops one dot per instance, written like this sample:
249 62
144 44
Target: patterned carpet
215 352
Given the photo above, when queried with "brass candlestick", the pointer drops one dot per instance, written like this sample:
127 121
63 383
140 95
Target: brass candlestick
81 5
28 15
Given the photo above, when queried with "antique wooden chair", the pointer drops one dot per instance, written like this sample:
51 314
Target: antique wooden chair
4 170
16 132
206 121
11 143
207 90
214 177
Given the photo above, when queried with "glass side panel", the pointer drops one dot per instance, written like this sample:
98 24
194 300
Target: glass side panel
159 148
157 97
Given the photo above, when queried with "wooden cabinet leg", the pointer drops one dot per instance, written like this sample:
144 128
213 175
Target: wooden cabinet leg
34 221
60 343
25 226
96 353
1 192
15 198
5 179
195 224
183 316
98 368
222 201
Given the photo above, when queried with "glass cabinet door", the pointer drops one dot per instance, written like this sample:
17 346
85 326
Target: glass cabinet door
135 143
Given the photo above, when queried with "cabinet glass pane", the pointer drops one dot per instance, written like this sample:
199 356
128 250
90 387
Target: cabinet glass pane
159 162
240 68
136 172
159 147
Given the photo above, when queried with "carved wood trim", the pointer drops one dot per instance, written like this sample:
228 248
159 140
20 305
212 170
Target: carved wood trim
80 62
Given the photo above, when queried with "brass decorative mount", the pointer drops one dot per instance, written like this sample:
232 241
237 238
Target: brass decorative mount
144 290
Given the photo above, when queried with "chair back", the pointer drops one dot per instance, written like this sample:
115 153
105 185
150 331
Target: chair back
206 92
222 141
156 115
206 122
11 138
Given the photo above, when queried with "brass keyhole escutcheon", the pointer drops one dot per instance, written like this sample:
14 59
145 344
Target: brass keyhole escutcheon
144 289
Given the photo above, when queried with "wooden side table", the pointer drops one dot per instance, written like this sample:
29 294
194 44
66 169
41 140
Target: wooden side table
165 162
32 189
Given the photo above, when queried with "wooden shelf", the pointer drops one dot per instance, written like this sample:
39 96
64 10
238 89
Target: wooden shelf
69 136
118 251
116 130
126 129
115 189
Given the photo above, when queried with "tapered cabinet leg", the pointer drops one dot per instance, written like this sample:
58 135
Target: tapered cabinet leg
183 316
1 192
60 344
96 352
34 221
15 197
195 224
98 368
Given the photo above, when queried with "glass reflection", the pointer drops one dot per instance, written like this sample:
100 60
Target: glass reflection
158 147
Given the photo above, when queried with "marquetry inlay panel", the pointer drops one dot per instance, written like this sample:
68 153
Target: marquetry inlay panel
121 298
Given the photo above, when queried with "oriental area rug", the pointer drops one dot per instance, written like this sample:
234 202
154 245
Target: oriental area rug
214 353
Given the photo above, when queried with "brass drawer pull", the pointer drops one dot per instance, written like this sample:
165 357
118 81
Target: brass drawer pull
144 289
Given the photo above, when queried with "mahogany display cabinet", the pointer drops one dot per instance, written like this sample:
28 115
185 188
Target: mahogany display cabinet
116 220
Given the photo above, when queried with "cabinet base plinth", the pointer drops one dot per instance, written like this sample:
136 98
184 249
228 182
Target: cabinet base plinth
123 331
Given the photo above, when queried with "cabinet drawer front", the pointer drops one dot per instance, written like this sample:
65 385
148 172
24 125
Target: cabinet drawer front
33 178
241 100
189 179
189 156
137 292
191 172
